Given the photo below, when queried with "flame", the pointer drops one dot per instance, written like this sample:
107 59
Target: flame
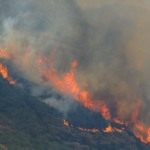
66 123
148 136
142 132
108 129
67 84
3 70
139 129
4 73
118 130
116 120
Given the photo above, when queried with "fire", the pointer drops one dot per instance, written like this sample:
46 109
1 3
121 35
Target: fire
148 137
142 132
118 130
139 129
66 123
3 70
4 73
116 120
108 129
68 85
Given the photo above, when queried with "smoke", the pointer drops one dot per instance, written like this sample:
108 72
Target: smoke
110 40
63 105
115 63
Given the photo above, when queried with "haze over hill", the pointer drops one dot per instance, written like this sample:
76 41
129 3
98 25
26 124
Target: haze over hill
77 56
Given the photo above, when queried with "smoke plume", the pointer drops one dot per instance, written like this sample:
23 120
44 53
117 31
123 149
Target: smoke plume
110 41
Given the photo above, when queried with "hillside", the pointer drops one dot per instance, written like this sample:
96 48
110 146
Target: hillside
28 124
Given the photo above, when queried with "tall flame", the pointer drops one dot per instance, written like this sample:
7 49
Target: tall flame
66 123
4 73
142 132
67 84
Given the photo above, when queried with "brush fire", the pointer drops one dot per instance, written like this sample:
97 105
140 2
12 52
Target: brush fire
95 56
67 85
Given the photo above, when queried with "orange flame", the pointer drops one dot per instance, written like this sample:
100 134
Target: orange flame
4 73
67 84
66 123
142 132
108 129
148 136
116 120
118 130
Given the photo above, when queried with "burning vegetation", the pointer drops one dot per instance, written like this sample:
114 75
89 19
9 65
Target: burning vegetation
3 69
5 75
103 64
67 85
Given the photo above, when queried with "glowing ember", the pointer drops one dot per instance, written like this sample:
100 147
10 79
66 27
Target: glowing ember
66 123
118 130
4 73
108 129
111 129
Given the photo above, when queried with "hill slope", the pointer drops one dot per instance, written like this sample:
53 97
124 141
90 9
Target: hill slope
28 124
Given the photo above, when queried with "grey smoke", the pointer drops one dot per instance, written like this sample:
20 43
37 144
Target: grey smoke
109 39
63 105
